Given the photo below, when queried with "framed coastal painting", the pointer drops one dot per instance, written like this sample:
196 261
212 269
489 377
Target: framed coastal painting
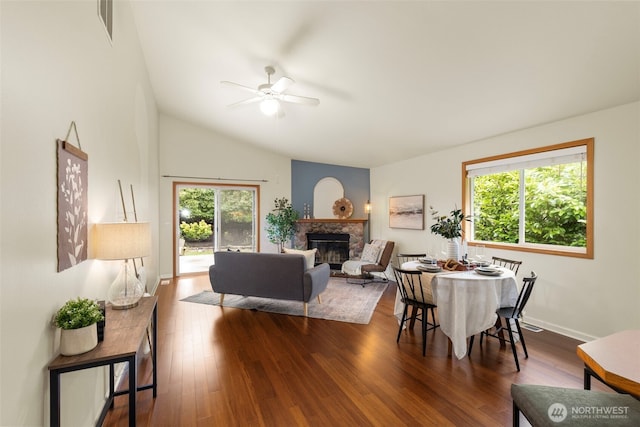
407 212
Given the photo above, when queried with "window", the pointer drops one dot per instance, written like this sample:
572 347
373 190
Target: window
536 200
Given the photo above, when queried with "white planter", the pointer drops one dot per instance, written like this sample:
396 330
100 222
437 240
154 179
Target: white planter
453 250
78 341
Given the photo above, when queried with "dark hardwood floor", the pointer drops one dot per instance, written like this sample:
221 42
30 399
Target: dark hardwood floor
233 367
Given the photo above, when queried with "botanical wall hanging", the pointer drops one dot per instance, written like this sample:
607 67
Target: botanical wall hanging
72 203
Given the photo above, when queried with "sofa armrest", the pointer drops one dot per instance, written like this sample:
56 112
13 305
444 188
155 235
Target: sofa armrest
315 281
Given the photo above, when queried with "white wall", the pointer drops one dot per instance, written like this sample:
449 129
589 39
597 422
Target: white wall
189 150
582 298
58 66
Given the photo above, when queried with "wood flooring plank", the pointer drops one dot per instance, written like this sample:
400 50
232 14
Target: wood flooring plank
232 367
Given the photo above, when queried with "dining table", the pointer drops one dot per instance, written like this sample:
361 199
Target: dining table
467 300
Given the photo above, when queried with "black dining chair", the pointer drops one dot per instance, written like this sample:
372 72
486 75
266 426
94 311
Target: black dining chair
511 264
506 315
402 258
414 294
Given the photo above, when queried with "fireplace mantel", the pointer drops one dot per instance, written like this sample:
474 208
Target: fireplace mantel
332 220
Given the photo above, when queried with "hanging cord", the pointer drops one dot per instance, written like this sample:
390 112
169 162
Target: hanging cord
73 126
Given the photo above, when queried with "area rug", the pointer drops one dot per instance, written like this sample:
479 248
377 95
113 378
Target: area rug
341 301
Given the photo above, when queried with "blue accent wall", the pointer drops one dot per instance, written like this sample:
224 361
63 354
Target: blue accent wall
305 176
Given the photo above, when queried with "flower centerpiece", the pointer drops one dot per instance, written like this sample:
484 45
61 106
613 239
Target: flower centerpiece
449 227
281 223
77 320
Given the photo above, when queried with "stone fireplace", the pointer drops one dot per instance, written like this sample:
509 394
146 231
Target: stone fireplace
353 228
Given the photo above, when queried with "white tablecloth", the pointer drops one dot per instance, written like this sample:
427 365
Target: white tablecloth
467 302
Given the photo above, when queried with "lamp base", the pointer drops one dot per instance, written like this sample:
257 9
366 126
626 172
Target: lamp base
126 290
123 306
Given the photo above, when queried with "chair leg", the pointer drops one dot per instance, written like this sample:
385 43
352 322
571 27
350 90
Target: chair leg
513 347
404 318
424 331
433 317
524 346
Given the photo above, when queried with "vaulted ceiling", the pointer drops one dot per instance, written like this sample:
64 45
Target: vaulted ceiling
395 79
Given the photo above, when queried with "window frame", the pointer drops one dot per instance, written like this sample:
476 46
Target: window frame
586 252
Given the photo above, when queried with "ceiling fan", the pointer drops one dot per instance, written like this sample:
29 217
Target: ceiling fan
271 95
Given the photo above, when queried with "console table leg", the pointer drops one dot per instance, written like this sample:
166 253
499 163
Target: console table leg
133 388
154 353
54 399
112 385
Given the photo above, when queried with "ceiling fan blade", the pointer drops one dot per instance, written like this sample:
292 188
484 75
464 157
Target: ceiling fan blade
282 84
245 102
300 99
247 88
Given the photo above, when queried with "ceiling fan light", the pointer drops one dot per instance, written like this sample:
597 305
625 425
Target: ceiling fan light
269 106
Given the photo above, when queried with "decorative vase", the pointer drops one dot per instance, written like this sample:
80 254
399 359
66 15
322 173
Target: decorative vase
78 341
453 250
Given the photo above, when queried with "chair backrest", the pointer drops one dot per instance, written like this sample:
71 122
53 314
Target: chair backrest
402 258
409 285
386 254
507 263
525 293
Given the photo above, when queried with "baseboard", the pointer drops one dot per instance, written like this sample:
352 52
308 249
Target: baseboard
577 335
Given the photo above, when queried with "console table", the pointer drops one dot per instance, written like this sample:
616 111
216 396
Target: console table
124 332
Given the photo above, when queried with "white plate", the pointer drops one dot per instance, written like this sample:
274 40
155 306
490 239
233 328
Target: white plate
429 269
488 271
481 263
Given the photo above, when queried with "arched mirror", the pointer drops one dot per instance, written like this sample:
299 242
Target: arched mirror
325 193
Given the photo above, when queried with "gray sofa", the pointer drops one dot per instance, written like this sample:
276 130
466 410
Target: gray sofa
266 275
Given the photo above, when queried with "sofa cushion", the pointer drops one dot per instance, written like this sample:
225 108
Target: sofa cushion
370 253
309 255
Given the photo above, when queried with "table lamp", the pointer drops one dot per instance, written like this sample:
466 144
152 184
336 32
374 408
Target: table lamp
123 241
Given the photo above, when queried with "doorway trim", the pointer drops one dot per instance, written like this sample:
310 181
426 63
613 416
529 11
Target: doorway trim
175 215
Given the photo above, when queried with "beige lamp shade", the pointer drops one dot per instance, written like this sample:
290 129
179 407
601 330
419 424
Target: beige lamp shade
122 240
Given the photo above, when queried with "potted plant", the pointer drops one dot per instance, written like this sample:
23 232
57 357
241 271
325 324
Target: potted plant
77 320
449 227
281 222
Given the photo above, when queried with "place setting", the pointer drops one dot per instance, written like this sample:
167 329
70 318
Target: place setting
429 264
489 271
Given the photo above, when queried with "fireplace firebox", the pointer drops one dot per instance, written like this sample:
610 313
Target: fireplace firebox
333 248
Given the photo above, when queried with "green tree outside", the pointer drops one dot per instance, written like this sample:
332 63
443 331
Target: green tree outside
555 206
199 203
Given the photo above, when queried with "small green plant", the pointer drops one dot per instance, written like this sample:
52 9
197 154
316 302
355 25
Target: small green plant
448 227
196 231
78 313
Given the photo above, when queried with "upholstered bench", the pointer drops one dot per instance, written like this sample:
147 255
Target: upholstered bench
557 406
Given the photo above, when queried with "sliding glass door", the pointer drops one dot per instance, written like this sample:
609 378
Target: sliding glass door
213 217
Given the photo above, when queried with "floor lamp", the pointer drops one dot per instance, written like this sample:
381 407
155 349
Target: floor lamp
123 241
